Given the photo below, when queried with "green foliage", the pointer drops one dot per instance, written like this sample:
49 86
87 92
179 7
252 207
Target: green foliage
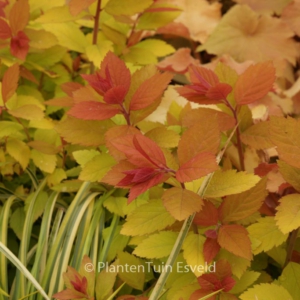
117 182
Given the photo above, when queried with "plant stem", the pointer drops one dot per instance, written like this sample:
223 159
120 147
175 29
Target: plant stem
95 31
25 129
238 136
184 230
290 247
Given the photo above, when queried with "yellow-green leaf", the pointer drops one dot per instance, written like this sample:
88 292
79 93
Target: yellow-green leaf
140 56
96 53
43 161
290 279
288 213
95 169
41 39
27 112
133 274
193 253
8 128
247 279
158 47
164 137
56 177
157 245
266 234
128 7
19 151
84 156
266 291
147 218
230 182
68 35
84 132
290 174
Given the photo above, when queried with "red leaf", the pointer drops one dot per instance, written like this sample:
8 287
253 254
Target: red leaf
140 151
208 216
150 90
219 92
204 78
77 6
19 16
228 283
194 96
10 81
235 239
210 249
140 188
5 31
254 83
68 294
115 95
199 294
197 167
92 110
19 45
116 173
113 73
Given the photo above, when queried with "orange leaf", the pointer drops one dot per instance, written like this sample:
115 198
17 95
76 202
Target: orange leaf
254 83
284 133
5 31
19 16
204 136
238 207
179 62
181 203
291 16
62 102
10 81
92 110
115 133
235 239
197 167
25 73
70 87
77 6
247 35
195 116
208 216
150 90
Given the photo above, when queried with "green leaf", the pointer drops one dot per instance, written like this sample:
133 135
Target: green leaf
95 169
147 218
230 182
266 291
266 235
157 245
17 220
288 213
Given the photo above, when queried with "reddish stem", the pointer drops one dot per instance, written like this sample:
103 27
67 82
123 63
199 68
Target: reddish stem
96 28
